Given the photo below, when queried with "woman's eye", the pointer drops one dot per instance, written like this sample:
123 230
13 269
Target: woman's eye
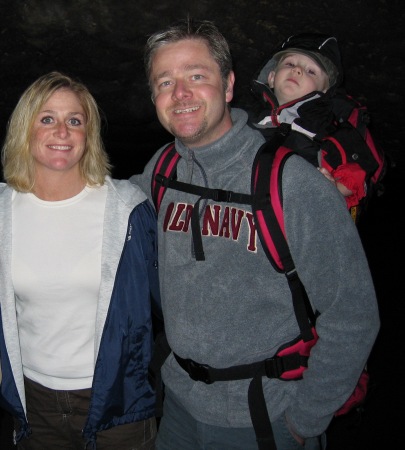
46 119
75 122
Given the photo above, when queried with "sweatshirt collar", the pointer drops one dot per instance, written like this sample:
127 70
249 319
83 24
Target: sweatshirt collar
223 151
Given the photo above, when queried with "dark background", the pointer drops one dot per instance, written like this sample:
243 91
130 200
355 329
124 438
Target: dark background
101 42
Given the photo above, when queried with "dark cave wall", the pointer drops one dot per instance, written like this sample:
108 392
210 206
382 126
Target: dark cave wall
101 42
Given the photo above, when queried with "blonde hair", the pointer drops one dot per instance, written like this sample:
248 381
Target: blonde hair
17 160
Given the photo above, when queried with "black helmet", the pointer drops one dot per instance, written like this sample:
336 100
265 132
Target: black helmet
322 48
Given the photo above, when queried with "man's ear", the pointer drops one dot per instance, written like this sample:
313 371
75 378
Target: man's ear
229 87
270 78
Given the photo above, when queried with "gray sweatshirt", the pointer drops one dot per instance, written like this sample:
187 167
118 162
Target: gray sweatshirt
234 308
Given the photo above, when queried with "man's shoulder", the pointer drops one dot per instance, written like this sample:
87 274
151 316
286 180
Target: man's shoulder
301 179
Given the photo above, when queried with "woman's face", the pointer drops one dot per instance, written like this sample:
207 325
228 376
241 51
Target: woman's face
58 135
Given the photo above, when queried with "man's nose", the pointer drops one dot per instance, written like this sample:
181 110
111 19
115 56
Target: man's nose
181 90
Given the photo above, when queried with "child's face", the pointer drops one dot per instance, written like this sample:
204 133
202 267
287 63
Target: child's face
295 76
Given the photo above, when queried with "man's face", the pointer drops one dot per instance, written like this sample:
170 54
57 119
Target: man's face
189 95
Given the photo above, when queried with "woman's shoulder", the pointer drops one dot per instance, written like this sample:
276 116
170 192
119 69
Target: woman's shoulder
126 190
3 187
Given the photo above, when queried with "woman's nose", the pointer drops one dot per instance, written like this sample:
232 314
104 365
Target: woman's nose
62 129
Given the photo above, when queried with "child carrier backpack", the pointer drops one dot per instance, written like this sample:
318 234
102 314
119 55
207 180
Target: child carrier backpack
291 360
351 141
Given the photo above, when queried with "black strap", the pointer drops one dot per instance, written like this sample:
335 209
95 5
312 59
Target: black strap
260 187
270 368
218 195
161 351
260 417
263 165
166 165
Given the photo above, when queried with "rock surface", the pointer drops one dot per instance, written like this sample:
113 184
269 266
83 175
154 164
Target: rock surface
101 42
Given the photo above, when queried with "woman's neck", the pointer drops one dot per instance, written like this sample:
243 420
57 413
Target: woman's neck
56 188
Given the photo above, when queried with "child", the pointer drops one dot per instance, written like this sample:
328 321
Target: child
297 85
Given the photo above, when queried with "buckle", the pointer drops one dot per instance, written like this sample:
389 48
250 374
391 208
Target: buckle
199 372
219 195
161 179
274 367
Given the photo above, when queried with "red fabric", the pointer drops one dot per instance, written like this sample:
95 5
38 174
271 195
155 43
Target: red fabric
358 396
352 176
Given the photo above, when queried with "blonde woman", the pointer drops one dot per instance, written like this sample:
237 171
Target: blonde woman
77 274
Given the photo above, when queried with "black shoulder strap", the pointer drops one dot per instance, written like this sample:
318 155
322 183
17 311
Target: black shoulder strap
164 176
165 166
266 201
269 219
268 207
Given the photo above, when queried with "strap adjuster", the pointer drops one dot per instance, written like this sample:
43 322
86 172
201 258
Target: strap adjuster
274 367
278 366
198 372
161 179
220 195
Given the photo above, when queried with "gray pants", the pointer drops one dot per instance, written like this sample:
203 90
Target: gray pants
178 430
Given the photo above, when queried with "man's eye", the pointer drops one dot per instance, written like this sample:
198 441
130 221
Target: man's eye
197 77
164 84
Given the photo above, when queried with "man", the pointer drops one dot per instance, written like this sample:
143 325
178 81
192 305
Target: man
224 305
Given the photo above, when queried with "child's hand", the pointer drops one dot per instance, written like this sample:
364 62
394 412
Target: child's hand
327 174
350 180
341 187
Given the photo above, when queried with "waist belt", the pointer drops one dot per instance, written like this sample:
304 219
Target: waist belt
272 368
288 364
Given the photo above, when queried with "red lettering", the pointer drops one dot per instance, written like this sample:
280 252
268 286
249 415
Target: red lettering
252 243
211 220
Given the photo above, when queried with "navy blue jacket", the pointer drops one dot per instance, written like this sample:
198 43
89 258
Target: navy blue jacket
124 336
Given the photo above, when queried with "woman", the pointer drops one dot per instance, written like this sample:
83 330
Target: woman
78 272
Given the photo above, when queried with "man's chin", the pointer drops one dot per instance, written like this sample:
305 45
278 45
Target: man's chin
188 137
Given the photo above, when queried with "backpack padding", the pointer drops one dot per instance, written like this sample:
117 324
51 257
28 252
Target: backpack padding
267 209
166 166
